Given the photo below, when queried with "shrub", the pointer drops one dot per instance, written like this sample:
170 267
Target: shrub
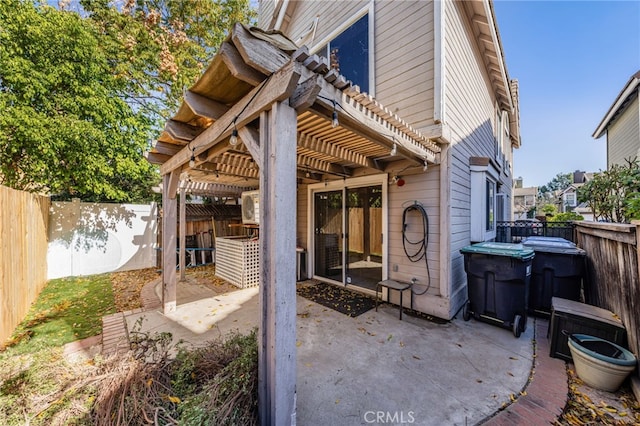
614 195
566 217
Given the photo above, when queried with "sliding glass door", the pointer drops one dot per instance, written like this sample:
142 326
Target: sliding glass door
328 234
364 236
348 229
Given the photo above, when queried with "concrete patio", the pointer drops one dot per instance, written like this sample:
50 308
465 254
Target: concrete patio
374 368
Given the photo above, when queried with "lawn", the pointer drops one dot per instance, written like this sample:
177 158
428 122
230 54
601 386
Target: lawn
67 309
215 385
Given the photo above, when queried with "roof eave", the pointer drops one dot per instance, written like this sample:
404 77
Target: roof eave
629 89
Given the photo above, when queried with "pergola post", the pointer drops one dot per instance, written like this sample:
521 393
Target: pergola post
169 224
277 334
183 231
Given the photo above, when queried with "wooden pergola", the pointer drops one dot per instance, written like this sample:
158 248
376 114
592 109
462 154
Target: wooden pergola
267 114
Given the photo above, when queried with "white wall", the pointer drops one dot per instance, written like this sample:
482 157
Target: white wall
92 238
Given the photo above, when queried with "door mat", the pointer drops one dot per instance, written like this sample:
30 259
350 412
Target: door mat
339 299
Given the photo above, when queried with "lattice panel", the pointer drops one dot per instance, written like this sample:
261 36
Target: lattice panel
238 261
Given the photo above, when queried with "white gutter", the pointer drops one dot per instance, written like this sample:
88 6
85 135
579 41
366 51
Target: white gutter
631 86
283 11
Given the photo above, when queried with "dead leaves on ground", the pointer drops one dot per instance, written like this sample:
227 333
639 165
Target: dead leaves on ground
582 410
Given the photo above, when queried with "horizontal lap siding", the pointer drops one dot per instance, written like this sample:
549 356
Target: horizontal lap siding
623 137
332 14
266 8
424 189
302 219
404 59
469 113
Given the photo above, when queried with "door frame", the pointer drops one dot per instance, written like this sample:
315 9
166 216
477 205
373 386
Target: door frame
377 179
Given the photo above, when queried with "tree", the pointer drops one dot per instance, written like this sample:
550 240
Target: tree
559 183
160 47
614 195
63 128
549 209
82 94
565 217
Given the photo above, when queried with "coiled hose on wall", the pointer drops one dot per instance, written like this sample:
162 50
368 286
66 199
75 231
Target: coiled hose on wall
417 250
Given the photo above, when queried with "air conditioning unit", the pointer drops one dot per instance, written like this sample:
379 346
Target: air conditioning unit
251 207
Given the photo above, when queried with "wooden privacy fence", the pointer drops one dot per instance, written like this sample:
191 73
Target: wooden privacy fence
24 221
613 255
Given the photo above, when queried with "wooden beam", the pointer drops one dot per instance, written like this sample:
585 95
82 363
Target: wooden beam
367 124
166 148
203 106
156 158
183 233
169 224
251 140
257 53
335 150
277 333
174 182
238 68
277 87
305 161
182 131
305 94
213 152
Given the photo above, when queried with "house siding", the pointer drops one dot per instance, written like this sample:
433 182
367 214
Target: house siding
623 136
404 53
470 114
302 220
404 59
423 189
267 7
332 14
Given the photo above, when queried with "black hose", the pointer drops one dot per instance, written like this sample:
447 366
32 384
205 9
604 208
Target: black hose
418 247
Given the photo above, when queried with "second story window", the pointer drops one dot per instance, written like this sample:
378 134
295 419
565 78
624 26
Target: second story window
348 53
570 199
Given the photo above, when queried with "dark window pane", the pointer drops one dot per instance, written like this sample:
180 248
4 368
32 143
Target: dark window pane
349 53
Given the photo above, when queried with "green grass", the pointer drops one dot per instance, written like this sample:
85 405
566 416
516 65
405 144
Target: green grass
67 309
37 386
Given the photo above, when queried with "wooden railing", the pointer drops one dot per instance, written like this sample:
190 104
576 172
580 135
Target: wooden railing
24 219
613 254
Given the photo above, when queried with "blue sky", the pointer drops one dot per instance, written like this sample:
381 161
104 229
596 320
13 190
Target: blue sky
571 58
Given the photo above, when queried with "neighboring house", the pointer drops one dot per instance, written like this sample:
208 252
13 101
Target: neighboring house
568 198
621 124
408 137
524 200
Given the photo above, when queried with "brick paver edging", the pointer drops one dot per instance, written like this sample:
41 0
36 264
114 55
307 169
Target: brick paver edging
115 336
545 394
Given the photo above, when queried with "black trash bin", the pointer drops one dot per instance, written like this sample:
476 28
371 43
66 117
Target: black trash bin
557 271
498 277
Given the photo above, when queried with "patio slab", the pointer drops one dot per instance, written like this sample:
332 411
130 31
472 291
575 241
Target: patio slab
372 368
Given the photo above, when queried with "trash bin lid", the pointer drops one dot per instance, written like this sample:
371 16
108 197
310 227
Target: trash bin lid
517 251
553 245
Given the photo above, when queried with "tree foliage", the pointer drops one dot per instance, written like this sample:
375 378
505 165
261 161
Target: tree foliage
559 183
614 195
160 47
549 209
63 129
565 217
82 92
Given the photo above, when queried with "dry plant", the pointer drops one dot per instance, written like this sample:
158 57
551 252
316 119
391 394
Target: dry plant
215 384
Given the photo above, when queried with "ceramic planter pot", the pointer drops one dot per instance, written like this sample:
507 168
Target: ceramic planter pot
599 363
